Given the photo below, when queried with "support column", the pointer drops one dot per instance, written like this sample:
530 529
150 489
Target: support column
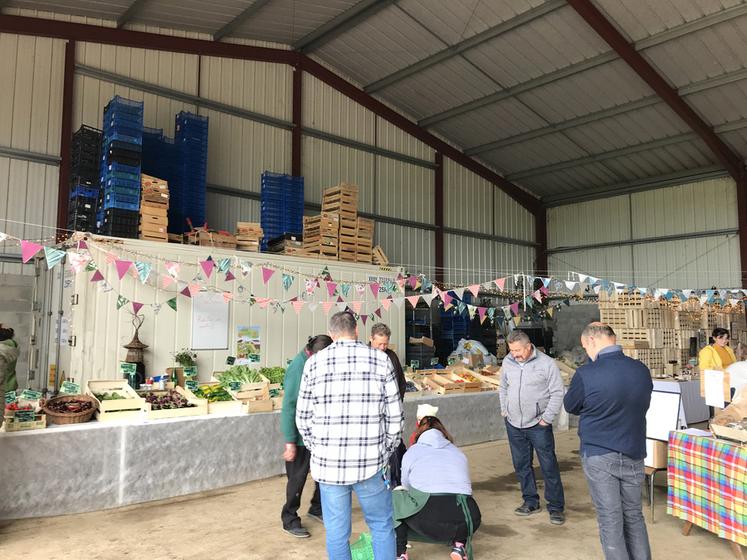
438 216
297 120
742 224
540 237
66 138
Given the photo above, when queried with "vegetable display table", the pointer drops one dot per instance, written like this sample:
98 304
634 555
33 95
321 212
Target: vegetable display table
102 465
707 480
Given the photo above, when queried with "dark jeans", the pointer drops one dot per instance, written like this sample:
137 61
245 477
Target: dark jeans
440 520
395 465
615 482
524 442
297 471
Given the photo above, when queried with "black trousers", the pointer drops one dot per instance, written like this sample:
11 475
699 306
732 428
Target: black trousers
297 471
441 520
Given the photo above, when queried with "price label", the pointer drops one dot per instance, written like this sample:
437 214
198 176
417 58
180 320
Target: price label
434 361
235 385
230 360
191 385
126 369
415 364
10 397
29 395
25 415
190 372
451 361
70 388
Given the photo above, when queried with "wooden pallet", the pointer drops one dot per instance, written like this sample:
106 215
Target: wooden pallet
652 357
154 229
379 257
646 338
176 238
688 320
205 238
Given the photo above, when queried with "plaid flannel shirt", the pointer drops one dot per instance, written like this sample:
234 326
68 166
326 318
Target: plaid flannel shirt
348 412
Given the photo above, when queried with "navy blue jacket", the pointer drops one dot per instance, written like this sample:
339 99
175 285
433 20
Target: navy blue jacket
611 395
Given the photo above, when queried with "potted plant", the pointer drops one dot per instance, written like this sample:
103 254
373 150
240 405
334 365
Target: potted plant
186 358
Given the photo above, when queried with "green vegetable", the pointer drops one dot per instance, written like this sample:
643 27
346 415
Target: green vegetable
241 374
213 393
113 396
274 374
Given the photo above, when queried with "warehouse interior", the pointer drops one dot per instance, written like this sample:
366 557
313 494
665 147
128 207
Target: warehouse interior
550 154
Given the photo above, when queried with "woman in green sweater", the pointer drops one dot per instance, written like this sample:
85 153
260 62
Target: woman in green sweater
8 357
297 457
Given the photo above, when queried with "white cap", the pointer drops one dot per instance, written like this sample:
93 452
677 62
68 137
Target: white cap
426 410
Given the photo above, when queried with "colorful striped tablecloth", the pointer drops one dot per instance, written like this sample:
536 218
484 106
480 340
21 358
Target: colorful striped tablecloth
707 480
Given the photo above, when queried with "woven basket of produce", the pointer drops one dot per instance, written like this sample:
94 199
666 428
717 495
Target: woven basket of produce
70 409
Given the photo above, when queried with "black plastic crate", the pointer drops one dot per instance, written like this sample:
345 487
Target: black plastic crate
126 157
117 217
86 137
82 204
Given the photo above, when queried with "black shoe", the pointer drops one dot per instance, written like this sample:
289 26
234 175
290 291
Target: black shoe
524 510
317 517
298 532
557 517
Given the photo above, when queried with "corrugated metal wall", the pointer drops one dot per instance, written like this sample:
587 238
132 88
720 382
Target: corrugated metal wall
679 210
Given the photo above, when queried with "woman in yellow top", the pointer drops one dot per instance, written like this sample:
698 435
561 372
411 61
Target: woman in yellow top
717 355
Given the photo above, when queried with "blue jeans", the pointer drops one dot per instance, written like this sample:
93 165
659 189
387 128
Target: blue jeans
524 442
615 482
376 502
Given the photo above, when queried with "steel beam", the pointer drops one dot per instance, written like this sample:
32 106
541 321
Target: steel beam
339 24
467 44
236 22
639 185
540 235
296 111
644 240
26 155
66 139
573 69
438 216
130 12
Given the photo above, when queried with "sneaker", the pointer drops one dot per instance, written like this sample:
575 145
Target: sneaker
524 510
458 552
317 517
298 532
557 517
402 557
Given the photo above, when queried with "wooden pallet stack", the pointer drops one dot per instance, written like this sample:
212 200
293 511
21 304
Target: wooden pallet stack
321 235
342 200
248 236
154 209
379 257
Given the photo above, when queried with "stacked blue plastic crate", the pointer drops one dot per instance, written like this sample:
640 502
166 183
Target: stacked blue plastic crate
190 172
84 179
281 206
119 203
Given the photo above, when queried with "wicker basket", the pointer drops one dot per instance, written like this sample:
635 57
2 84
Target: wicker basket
70 417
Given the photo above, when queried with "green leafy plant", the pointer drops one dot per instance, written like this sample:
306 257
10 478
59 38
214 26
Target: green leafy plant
185 357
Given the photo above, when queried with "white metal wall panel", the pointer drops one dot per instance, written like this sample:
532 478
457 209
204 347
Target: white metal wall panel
404 191
28 205
239 151
101 330
326 165
326 109
468 199
395 139
31 93
413 249
511 219
595 221
610 263
703 206
255 86
223 211
468 260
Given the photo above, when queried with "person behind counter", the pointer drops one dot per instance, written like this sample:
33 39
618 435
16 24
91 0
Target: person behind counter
8 357
297 457
717 355
435 503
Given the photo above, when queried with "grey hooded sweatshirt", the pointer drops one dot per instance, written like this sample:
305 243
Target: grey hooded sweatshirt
530 391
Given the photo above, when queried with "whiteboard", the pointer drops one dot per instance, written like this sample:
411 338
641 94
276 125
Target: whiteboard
663 415
210 321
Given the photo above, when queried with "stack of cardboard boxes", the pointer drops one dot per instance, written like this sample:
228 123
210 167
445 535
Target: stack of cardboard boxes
154 209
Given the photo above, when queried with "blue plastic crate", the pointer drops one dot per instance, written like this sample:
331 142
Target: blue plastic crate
110 182
124 104
116 201
84 191
114 119
115 136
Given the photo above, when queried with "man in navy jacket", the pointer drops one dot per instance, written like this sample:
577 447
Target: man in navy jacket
612 394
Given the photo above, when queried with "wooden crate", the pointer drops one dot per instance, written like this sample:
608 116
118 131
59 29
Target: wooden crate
615 317
646 338
10 424
649 318
688 320
342 199
683 338
252 229
379 257
131 407
224 407
176 238
365 228
207 238
200 408
652 357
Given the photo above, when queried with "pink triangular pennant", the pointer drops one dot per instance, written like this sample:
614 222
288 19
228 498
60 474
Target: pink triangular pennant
378 312
227 296
263 302
207 267
446 298
194 289
166 281
475 289
482 311
544 291
78 261
267 274
537 295
413 281
97 276
401 282
356 305
82 245
173 268
331 288
364 318
326 306
500 283
298 305
515 308
29 249
111 258
413 300
122 267
385 303
230 276
375 289
136 307
186 292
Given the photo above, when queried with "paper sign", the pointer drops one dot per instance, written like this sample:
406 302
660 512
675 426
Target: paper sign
230 360
415 364
25 415
10 397
714 387
191 385
70 388
190 372
126 369
434 361
235 385
29 395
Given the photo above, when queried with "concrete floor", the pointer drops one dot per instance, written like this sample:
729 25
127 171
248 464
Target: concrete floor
243 522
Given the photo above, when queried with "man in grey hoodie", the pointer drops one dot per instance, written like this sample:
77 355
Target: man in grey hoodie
531 394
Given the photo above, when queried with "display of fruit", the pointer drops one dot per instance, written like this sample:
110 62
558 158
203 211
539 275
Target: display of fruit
69 406
109 396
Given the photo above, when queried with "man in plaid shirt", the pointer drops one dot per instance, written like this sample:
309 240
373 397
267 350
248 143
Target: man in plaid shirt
350 417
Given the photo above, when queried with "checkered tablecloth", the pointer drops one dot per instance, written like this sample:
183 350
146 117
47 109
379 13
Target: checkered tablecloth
707 484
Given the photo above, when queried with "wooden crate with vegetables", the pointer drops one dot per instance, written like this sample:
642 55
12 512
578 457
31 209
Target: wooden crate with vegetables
16 424
219 399
443 384
116 400
174 403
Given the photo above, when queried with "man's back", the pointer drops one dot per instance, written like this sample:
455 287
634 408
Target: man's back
349 412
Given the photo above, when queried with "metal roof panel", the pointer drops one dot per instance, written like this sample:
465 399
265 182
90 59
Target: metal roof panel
535 153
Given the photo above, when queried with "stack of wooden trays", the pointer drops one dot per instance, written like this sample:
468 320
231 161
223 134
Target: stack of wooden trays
342 200
379 257
154 209
321 235
248 236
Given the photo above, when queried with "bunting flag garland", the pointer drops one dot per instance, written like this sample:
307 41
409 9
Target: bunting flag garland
475 289
313 306
267 274
360 289
537 295
483 312
399 301
331 288
550 311
186 292
194 289
377 312
110 258
345 288
166 281
97 276
82 245
356 305
374 289
246 267
364 318
428 298
515 308
104 287
326 306
121 301
230 276
298 305
53 256
91 266
28 250
386 303
459 292
172 303
227 296
136 307
310 286
172 268
156 308
287 281
143 270
78 261
122 267
500 283
413 300
207 266
223 265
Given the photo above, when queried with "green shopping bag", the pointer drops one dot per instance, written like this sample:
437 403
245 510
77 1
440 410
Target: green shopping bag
362 549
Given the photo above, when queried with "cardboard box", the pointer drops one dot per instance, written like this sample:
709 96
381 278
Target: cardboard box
424 340
656 454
